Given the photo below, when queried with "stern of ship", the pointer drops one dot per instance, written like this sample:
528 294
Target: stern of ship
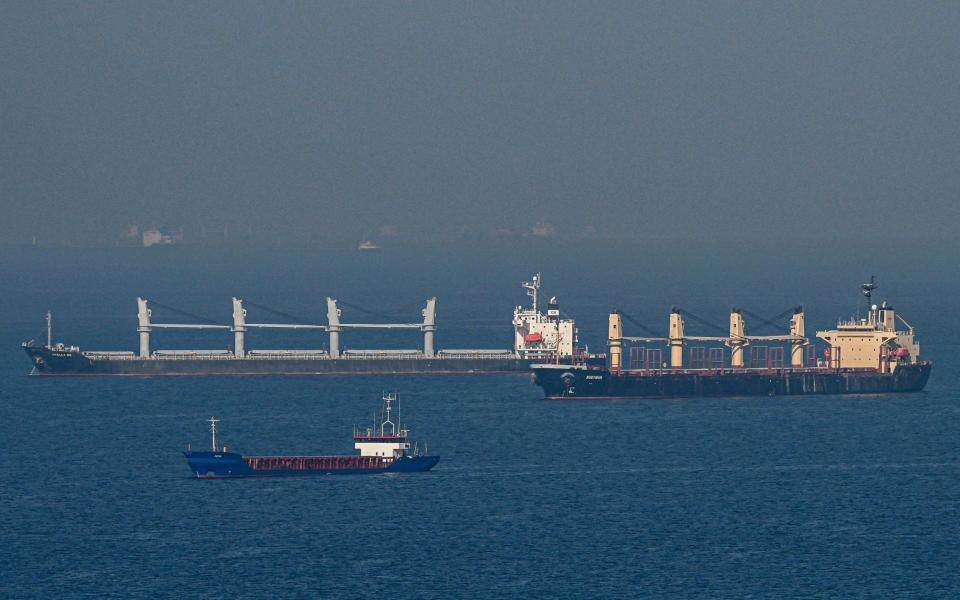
217 464
413 464
912 377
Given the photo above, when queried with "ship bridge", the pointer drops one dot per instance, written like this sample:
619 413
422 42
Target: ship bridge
385 438
872 341
539 336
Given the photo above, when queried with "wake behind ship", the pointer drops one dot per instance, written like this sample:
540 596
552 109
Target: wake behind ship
862 356
538 337
384 448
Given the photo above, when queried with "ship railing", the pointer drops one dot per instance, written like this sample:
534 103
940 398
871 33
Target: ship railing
380 354
373 437
296 355
582 357
191 353
467 353
115 354
198 355
300 463
280 352
752 370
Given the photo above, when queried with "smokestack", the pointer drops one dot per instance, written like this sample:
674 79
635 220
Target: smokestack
888 318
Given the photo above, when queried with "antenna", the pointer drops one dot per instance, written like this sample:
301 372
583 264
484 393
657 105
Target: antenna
532 287
213 432
387 398
867 289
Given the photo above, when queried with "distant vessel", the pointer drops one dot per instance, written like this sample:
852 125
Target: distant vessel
155 237
538 337
367 245
863 356
384 448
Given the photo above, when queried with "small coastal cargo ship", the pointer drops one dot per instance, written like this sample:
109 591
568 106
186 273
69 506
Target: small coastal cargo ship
538 337
866 355
384 448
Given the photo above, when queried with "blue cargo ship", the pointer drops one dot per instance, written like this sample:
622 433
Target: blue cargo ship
384 448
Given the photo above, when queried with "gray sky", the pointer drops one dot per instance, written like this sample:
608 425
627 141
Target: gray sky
327 122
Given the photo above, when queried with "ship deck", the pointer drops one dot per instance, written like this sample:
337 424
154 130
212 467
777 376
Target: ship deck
319 463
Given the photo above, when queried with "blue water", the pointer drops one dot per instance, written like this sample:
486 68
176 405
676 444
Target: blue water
740 497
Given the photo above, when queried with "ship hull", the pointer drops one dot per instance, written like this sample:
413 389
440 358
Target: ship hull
218 465
565 382
71 363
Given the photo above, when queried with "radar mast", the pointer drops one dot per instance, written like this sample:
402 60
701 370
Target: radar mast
532 288
213 433
867 290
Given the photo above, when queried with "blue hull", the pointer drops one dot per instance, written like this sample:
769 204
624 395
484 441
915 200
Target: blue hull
231 464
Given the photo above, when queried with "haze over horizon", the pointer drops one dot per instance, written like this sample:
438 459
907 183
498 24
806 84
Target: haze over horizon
433 122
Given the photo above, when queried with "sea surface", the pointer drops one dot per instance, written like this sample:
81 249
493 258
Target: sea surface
824 496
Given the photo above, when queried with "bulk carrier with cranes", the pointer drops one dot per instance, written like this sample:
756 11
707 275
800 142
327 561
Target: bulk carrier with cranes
538 338
862 355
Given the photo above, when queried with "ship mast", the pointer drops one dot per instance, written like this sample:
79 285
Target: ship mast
213 432
49 329
532 287
387 398
867 289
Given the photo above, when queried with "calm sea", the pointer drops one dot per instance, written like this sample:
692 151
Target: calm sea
739 497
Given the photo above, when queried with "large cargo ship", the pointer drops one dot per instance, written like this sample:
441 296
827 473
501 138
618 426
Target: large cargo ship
865 355
538 337
384 448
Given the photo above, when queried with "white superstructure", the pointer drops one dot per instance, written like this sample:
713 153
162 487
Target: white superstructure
542 336
388 439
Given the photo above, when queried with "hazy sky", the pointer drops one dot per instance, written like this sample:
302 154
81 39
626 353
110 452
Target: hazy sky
327 122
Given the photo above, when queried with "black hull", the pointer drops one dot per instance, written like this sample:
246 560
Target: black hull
560 382
72 363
